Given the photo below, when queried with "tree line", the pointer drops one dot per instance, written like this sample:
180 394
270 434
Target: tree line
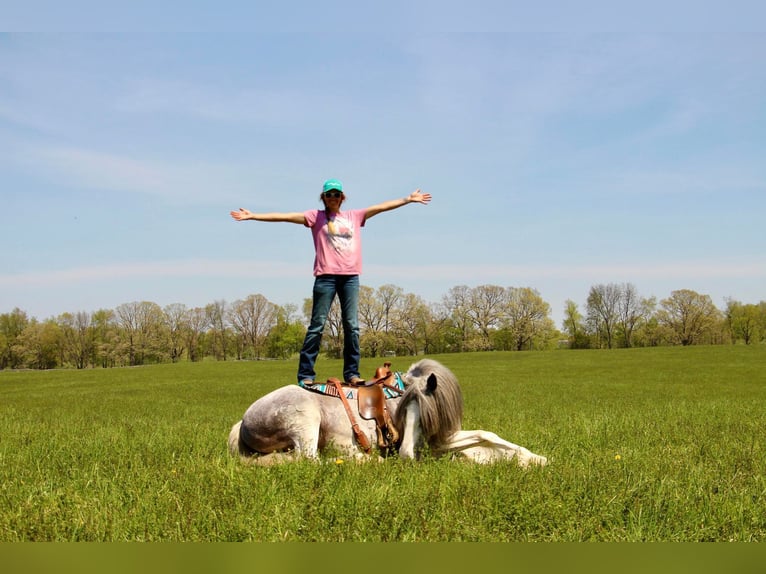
392 322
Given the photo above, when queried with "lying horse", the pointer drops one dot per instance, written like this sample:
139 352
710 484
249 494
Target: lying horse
292 422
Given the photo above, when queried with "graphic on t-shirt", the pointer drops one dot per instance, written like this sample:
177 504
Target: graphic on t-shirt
340 232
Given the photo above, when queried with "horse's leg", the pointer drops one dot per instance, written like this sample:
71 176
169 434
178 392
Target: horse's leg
236 448
475 444
411 432
305 432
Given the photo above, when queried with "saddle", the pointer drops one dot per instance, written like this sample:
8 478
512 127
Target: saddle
371 398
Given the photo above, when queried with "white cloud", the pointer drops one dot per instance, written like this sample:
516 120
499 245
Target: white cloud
282 106
595 273
102 171
158 269
457 274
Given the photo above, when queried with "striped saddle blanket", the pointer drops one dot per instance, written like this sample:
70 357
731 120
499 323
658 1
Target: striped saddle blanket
391 389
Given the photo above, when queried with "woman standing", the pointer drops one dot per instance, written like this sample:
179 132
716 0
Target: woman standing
337 266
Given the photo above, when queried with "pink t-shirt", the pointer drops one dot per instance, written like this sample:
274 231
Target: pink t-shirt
337 242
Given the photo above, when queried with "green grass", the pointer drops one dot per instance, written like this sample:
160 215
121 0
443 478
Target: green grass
644 444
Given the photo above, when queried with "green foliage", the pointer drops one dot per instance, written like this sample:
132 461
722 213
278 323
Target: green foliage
482 318
12 326
644 444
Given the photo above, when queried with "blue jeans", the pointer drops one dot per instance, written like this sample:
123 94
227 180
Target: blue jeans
325 289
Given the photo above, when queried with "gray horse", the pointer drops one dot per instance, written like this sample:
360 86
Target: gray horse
292 422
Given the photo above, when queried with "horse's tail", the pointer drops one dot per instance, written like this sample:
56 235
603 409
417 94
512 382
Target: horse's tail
237 446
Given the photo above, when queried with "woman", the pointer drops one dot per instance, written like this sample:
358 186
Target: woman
337 266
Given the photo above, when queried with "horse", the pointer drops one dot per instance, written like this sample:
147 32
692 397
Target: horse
292 422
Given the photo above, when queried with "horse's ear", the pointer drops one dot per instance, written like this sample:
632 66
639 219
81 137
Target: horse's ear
431 383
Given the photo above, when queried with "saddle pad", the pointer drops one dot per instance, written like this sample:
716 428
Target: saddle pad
351 393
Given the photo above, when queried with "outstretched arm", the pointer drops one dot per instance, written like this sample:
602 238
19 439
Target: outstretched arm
244 215
415 197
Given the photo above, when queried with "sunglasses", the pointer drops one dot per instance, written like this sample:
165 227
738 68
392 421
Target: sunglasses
335 194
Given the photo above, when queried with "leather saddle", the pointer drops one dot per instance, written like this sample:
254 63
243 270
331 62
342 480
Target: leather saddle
372 406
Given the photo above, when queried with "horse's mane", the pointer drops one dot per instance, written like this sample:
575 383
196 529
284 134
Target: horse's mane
441 411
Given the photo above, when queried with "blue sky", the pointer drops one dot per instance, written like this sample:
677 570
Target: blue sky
562 150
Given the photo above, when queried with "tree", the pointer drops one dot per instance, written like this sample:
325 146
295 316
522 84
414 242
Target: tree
602 310
198 321
486 304
286 337
438 331
252 319
632 310
389 296
176 320
456 304
216 319
688 315
78 338
762 319
525 317
573 326
433 328
412 323
39 344
140 324
12 325
105 338
372 322
652 333
743 321
127 316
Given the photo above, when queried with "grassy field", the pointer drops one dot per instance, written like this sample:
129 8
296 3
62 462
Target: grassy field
663 444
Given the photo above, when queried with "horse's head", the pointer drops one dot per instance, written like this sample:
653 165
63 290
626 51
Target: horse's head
431 409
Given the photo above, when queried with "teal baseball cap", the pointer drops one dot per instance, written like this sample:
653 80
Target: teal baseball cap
332 184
